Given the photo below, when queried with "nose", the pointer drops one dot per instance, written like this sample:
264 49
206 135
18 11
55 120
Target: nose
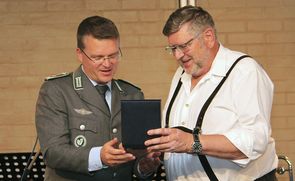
178 53
106 61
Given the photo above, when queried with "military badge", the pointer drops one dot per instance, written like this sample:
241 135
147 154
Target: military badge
82 111
80 141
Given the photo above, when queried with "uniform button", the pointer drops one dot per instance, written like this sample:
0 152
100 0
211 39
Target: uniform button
115 130
82 127
114 174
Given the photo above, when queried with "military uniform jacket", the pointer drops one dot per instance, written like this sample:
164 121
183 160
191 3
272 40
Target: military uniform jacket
71 118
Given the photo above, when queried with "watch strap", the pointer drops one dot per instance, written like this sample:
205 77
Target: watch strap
196 146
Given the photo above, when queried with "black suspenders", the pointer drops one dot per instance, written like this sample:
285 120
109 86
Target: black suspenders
172 101
202 158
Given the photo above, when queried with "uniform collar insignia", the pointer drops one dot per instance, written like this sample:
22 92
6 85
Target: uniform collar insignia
77 82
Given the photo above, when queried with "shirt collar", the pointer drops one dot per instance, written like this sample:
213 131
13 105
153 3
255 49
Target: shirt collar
219 64
94 83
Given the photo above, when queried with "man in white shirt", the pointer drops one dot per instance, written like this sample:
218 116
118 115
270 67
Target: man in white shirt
235 137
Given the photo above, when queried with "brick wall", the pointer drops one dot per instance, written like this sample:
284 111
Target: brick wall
38 39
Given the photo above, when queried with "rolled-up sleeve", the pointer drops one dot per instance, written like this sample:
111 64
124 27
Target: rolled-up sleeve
253 101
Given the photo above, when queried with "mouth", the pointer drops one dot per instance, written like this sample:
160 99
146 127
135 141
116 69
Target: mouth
186 62
106 71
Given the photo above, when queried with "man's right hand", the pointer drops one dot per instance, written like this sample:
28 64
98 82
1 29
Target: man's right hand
112 155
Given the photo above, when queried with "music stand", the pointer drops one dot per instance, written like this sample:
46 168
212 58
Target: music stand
12 166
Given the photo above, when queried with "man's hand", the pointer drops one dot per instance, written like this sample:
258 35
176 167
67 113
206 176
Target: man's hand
170 140
176 140
111 154
149 163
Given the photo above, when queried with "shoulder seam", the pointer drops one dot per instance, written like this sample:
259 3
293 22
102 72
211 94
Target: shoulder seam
52 77
120 80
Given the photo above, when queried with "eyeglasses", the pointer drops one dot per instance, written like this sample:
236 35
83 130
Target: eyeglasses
100 59
183 47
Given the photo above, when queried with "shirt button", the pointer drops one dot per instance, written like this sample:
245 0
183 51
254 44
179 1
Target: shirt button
114 174
115 130
82 127
183 123
186 105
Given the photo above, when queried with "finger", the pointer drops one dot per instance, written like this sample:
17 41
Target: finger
165 147
119 159
121 146
159 131
114 157
116 151
153 154
113 147
156 154
124 157
113 142
158 140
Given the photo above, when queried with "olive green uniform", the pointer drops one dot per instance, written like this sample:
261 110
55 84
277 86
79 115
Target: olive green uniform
71 118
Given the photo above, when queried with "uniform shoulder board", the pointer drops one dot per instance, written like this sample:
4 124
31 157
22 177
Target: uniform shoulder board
52 77
123 81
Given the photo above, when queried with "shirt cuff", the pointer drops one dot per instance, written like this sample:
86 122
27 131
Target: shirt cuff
243 143
94 161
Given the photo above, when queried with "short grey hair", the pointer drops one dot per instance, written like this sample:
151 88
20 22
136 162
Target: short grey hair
198 17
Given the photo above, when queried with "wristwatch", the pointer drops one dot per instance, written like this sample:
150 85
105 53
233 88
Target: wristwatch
196 147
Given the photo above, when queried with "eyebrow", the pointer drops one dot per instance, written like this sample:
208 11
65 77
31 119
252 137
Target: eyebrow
93 56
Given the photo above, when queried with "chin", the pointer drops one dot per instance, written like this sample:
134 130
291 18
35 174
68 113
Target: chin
106 80
106 77
103 80
187 70
195 72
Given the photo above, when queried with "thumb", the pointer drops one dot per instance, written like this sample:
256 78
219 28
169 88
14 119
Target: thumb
114 142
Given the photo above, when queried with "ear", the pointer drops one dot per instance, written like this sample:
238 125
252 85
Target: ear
209 37
79 54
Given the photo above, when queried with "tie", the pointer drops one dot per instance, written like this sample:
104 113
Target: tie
102 91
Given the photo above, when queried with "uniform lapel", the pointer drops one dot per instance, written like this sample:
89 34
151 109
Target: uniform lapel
117 96
87 91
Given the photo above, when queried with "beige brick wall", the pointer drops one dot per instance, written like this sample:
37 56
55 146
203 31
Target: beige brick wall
38 39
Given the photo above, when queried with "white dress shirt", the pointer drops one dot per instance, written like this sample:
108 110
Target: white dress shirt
240 111
94 161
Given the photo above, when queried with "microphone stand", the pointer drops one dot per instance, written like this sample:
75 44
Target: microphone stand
29 168
30 164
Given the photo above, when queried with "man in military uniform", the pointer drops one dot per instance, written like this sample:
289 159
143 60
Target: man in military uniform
78 116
